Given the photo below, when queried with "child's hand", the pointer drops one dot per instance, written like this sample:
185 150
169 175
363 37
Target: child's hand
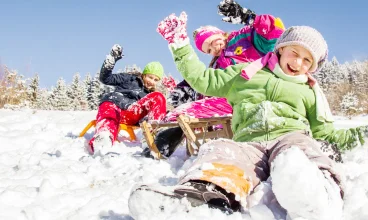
235 14
173 29
169 83
117 52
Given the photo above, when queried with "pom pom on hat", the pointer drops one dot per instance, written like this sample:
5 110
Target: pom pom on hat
202 33
310 39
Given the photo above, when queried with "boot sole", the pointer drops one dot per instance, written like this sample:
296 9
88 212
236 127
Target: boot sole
164 201
145 200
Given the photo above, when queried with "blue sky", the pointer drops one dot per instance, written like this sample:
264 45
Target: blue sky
59 38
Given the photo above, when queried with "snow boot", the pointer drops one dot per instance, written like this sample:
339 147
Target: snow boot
202 192
101 144
170 199
167 141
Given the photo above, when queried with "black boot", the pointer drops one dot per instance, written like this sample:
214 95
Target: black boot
197 193
201 192
168 140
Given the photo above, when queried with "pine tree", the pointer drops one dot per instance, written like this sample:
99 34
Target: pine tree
355 71
322 75
358 69
59 98
349 103
76 94
336 72
344 69
88 90
132 69
365 76
43 100
33 91
96 91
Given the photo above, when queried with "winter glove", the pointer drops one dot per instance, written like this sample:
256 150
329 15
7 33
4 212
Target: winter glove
235 14
116 54
173 29
169 83
181 95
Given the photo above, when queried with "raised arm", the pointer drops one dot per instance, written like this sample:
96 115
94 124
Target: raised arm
209 82
266 29
106 76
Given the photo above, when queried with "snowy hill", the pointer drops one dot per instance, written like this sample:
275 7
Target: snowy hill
46 173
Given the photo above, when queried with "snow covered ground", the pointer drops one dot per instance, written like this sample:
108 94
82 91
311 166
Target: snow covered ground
46 173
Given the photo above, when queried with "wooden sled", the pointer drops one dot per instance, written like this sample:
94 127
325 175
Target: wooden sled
195 130
149 132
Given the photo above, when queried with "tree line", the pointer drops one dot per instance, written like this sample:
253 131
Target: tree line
345 86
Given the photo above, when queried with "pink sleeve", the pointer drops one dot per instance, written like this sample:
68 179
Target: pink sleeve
268 26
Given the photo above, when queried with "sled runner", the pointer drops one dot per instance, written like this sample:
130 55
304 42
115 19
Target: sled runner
149 131
197 131
128 128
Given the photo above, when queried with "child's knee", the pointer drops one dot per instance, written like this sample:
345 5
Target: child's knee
159 97
108 110
225 145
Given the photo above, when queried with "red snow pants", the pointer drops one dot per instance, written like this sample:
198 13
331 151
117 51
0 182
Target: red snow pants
109 115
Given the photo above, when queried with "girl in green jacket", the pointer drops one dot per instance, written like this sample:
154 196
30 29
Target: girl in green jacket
278 113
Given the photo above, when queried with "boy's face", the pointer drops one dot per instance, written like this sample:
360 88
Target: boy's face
150 80
295 60
214 44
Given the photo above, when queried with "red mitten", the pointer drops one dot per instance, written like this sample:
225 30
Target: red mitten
173 29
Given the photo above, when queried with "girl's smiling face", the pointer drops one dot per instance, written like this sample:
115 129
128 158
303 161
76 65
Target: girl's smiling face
214 44
150 81
295 60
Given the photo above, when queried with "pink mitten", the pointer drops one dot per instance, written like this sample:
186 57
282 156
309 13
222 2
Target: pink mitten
173 29
169 83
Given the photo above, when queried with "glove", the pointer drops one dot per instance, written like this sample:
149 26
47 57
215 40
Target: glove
116 54
235 14
169 83
173 29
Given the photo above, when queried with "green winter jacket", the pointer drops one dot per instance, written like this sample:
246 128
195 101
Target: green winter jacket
266 106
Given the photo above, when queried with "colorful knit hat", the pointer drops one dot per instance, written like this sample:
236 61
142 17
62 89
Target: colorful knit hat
154 68
310 39
202 33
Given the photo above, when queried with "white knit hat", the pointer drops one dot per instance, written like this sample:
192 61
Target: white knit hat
310 39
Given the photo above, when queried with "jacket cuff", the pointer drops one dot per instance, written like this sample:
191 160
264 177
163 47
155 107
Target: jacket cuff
179 44
109 62
182 51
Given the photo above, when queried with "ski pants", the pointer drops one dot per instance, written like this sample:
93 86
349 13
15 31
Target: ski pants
109 115
238 167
